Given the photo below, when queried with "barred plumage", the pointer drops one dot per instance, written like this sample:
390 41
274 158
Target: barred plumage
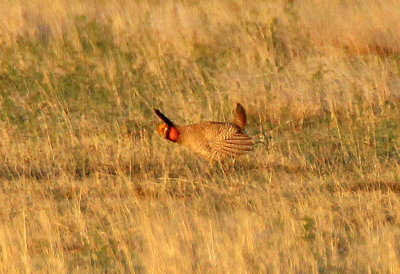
213 140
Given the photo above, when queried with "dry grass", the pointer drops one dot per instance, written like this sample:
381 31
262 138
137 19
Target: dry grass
88 186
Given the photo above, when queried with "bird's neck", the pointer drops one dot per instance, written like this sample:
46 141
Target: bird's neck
173 134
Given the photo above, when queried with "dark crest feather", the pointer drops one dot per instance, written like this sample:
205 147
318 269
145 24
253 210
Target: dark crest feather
162 117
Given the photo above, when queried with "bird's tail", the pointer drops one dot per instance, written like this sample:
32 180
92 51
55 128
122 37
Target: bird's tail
240 117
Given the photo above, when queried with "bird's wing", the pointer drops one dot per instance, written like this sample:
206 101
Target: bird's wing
229 142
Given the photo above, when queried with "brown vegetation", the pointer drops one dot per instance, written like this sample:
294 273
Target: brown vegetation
87 185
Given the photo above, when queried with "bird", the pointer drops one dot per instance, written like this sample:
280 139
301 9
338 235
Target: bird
214 141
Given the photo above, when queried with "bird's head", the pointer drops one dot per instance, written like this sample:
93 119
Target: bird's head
167 129
168 132
162 129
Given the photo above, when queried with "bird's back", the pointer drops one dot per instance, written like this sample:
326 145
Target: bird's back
215 140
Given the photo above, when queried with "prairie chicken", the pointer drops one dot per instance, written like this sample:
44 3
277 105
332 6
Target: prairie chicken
213 140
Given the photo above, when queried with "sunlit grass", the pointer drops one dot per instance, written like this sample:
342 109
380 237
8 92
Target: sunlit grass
88 186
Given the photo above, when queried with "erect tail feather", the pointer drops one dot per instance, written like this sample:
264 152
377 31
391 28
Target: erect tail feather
240 116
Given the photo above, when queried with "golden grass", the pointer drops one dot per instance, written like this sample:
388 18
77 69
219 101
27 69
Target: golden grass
86 185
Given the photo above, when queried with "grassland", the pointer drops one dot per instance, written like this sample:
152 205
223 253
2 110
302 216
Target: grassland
86 184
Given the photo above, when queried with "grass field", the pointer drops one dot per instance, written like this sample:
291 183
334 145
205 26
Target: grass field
87 185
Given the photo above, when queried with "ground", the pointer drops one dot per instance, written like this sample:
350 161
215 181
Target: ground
87 185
